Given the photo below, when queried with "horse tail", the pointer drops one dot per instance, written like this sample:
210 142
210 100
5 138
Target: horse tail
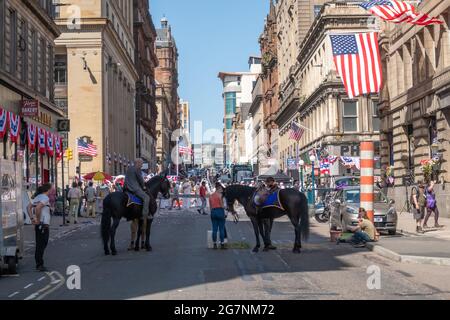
106 219
304 217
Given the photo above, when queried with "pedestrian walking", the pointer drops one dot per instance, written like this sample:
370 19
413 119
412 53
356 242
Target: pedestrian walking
202 194
52 198
431 206
218 217
419 202
91 197
74 203
39 212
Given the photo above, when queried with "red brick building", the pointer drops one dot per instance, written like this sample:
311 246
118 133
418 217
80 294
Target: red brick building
146 62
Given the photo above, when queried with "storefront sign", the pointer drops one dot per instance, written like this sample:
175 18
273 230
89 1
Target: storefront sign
64 125
350 151
30 108
292 164
85 158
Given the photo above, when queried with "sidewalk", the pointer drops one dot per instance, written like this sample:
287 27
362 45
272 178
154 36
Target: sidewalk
433 247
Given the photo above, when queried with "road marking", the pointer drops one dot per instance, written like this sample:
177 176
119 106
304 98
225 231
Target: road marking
13 294
27 286
42 293
40 279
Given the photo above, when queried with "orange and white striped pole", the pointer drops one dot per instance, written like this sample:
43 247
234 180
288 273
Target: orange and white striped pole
367 177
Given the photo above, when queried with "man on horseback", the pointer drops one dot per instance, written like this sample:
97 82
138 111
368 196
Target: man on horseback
134 183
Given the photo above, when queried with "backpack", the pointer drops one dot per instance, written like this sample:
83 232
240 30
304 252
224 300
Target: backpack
431 201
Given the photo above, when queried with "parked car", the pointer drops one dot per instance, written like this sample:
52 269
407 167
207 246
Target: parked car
345 207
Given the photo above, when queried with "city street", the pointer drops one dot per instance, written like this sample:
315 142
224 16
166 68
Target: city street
181 267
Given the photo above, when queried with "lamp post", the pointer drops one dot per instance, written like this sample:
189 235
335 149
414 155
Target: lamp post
301 163
313 160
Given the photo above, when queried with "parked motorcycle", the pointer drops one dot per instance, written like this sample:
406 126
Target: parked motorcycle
322 214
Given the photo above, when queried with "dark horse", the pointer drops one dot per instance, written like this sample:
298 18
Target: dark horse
294 202
115 208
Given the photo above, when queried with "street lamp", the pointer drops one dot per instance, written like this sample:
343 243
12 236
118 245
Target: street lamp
301 163
313 160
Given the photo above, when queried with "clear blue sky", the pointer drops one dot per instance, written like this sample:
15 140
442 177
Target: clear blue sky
212 36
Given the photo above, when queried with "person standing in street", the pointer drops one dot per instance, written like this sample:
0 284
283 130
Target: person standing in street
419 202
74 203
218 217
431 206
39 212
91 197
80 205
187 189
202 194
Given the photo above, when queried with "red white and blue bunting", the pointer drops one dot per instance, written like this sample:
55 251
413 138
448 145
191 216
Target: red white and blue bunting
3 122
31 132
14 127
41 141
50 144
58 149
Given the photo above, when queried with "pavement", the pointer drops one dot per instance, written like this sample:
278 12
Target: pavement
181 267
432 247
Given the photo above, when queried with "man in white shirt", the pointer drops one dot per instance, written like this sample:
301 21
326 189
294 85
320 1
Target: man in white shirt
187 189
91 197
39 212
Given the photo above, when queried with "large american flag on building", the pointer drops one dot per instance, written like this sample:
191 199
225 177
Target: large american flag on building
398 12
296 132
87 149
357 60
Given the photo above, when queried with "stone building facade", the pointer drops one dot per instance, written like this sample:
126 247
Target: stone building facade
27 34
98 50
146 62
316 97
167 78
415 102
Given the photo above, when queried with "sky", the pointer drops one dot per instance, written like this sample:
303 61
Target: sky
211 36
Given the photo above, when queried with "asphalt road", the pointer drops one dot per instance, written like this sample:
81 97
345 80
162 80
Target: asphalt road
181 267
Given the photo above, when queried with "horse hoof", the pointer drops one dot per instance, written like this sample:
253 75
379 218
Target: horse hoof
255 250
136 249
114 253
266 249
149 248
270 247
107 253
296 250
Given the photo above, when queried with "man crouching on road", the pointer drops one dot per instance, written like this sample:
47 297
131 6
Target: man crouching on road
134 182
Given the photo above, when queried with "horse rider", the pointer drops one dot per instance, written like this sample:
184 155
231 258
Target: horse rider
134 182
271 185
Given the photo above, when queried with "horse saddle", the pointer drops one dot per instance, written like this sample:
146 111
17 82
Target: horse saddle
268 200
133 199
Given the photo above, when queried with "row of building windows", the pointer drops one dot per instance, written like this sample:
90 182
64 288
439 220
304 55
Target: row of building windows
24 53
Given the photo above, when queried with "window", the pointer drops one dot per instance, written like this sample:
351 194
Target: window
230 103
23 51
13 46
375 116
60 69
42 75
62 104
317 9
107 10
2 32
34 62
350 116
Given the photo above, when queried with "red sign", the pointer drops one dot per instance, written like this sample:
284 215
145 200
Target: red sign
30 108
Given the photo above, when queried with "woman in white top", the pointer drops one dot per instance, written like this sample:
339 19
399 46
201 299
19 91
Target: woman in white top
39 212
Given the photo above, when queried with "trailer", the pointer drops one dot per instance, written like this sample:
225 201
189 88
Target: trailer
11 216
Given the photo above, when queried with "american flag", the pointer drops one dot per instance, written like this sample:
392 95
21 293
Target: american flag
296 132
86 148
325 167
357 60
185 150
398 12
